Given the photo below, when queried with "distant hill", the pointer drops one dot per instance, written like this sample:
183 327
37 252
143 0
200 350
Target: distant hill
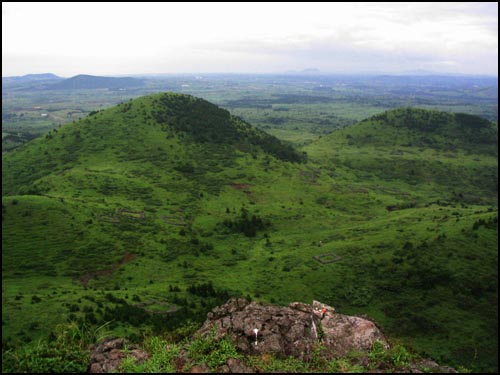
29 80
85 82
34 77
453 152
425 128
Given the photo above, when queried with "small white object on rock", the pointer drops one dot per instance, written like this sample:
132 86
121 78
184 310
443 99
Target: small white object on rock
256 331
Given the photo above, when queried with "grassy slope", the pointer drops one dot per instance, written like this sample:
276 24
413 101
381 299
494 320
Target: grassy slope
422 270
441 279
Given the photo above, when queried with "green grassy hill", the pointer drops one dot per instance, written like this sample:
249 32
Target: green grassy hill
147 214
433 172
452 157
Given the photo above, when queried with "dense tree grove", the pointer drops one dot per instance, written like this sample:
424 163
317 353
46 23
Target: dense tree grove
205 122
464 128
247 224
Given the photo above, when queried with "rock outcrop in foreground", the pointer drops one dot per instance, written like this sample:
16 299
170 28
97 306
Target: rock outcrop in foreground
295 330
258 330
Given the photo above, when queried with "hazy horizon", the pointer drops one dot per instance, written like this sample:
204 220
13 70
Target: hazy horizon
291 73
116 39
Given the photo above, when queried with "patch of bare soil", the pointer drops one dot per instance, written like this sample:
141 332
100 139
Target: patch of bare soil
128 257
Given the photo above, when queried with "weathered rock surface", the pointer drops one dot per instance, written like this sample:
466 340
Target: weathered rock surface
109 354
236 366
290 331
267 330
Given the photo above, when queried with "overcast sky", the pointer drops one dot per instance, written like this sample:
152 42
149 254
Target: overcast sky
136 38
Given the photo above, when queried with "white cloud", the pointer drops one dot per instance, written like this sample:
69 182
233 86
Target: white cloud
120 38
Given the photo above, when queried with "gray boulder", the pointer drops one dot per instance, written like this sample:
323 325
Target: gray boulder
296 330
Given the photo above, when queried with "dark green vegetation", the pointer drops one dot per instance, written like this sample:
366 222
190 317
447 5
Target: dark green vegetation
147 214
65 351
209 125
